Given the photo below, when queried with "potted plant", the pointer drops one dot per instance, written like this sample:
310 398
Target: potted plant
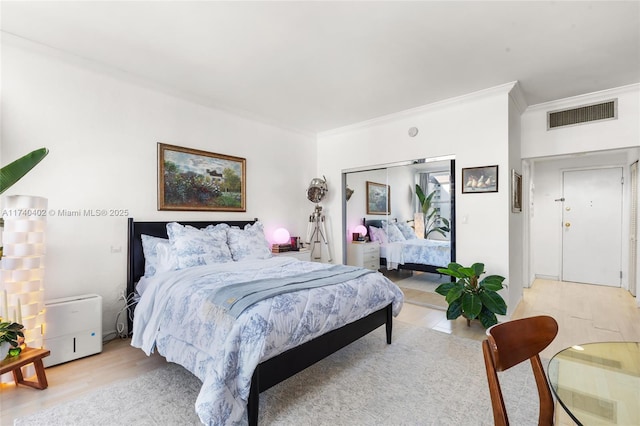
471 297
433 222
9 334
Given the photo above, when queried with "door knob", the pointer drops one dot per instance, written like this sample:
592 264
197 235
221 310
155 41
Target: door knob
567 224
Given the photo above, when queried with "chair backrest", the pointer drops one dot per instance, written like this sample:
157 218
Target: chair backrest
511 343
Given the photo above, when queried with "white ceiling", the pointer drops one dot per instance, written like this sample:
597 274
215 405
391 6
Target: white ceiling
316 66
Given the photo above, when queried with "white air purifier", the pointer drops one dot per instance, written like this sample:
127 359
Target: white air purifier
73 328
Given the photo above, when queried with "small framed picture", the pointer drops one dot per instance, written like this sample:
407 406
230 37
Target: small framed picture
480 179
516 192
378 198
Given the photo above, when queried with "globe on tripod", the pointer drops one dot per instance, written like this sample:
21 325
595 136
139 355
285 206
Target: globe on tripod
317 189
316 232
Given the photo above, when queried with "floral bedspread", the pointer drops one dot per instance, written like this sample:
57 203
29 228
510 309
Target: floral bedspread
425 252
175 317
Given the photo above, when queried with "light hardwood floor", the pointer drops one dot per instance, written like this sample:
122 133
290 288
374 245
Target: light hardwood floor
585 313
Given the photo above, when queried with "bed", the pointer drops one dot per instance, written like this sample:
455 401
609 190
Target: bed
416 254
269 341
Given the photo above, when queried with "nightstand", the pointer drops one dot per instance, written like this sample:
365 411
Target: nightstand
365 255
302 254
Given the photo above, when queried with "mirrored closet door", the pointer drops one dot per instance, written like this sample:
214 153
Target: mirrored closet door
413 229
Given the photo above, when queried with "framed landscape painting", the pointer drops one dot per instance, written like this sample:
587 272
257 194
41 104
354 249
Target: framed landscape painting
378 198
190 179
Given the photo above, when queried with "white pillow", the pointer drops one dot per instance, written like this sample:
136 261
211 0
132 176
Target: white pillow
150 249
394 234
248 243
194 247
407 231
167 260
378 234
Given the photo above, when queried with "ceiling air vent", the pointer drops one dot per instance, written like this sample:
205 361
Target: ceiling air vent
583 114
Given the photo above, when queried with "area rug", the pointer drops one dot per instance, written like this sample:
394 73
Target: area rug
423 378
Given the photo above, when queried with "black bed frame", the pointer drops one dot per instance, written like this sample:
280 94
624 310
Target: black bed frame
272 371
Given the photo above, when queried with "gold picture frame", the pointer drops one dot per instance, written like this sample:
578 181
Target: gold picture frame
378 198
191 179
516 191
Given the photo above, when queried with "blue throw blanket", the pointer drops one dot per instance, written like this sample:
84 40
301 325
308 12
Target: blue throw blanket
235 298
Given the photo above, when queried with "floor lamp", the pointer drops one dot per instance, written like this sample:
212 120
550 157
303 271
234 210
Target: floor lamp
22 265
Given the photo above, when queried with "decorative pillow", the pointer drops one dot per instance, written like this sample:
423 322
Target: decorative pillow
394 233
407 231
167 260
248 243
193 247
151 247
378 234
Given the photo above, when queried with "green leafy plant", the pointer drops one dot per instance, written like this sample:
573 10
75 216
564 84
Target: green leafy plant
9 332
471 297
433 222
13 172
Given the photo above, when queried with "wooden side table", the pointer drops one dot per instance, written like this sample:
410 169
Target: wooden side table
27 356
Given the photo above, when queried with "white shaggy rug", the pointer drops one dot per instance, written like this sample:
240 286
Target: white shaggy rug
423 378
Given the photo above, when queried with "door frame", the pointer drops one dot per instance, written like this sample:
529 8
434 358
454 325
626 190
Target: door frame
633 229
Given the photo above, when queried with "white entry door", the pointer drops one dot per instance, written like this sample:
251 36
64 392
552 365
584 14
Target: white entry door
592 226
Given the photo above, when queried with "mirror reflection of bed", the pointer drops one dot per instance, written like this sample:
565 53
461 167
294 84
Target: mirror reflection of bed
412 243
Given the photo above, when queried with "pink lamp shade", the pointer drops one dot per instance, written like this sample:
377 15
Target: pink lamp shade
281 236
360 229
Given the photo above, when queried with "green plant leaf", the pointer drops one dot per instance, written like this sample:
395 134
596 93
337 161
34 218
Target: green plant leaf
9 332
467 272
420 195
471 305
493 302
444 288
454 310
478 269
13 172
454 292
487 318
452 270
492 282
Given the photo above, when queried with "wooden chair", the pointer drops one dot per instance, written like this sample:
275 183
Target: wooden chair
511 343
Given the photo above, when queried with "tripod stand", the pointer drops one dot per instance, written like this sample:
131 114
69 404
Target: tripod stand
316 231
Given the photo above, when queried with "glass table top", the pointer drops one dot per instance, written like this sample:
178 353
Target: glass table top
598 383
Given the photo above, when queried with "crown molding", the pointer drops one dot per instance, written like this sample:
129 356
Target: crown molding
502 89
584 98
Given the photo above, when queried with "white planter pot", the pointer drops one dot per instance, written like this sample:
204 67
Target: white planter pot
4 350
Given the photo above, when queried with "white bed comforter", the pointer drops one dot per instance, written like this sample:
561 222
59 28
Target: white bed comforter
425 252
175 316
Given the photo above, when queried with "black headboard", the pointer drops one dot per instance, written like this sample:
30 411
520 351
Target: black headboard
373 222
135 256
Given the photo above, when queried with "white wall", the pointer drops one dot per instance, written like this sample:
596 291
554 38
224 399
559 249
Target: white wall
474 129
549 152
623 132
517 235
102 133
